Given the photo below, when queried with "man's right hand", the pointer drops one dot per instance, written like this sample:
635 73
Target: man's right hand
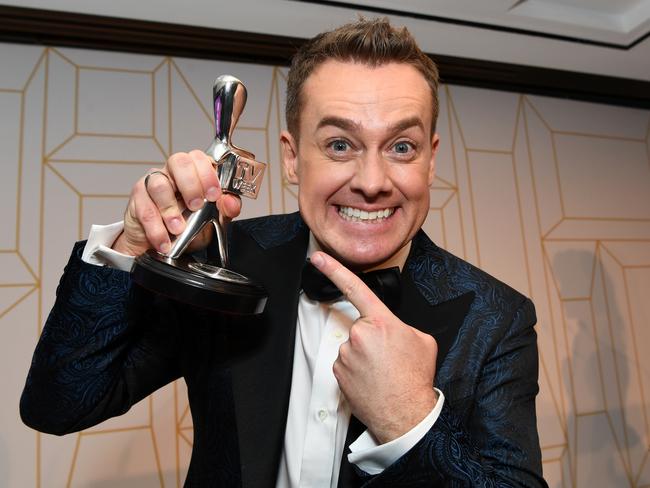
155 213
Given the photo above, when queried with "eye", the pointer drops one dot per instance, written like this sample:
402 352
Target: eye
402 147
339 145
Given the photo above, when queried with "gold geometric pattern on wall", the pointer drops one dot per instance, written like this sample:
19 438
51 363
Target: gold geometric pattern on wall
551 196
596 187
19 279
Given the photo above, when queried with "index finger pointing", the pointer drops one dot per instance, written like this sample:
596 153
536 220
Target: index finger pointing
354 289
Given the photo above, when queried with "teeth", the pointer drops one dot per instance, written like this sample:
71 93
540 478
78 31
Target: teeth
358 215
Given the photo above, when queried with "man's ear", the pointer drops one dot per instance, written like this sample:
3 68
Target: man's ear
289 147
435 141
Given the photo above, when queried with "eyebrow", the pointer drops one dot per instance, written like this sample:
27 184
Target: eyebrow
340 122
350 125
407 124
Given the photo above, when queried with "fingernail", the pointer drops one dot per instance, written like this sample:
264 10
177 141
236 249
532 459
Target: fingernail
212 193
176 225
317 260
196 204
165 247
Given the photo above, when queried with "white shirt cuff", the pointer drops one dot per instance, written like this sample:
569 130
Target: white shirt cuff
98 248
373 458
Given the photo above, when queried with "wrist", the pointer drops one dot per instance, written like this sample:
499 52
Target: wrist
406 416
122 246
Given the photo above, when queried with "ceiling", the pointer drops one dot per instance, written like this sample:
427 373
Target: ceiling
616 23
607 37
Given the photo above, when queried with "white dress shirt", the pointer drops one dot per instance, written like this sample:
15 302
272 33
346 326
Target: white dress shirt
319 415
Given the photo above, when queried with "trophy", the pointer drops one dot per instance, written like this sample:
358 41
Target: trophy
201 284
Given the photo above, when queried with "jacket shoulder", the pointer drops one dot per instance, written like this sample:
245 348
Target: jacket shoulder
270 231
439 271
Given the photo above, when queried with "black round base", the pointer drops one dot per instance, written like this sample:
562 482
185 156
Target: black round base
198 284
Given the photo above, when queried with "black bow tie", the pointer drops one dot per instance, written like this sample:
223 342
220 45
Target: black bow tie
385 283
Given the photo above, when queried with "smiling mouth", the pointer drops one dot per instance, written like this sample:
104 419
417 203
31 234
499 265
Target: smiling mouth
353 214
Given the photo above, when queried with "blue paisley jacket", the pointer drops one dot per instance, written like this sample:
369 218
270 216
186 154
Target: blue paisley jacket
108 343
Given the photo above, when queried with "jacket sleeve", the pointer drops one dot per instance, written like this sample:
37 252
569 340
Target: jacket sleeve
103 348
496 445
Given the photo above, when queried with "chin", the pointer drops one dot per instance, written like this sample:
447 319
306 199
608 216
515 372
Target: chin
359 259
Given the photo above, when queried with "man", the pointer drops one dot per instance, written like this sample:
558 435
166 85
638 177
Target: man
310 393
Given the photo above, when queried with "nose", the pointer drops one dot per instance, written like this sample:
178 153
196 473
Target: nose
371 177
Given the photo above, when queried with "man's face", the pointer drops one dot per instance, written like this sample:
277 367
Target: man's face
364 160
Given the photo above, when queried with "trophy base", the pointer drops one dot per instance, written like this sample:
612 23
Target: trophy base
198 284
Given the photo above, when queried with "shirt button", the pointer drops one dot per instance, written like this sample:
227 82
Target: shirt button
338 334
322 414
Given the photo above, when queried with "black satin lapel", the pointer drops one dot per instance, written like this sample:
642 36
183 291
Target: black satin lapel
441 321
347 476
263 357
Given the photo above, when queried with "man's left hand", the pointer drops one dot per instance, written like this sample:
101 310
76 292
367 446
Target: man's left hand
386 368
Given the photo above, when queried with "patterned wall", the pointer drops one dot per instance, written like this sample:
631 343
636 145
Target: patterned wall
552 196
